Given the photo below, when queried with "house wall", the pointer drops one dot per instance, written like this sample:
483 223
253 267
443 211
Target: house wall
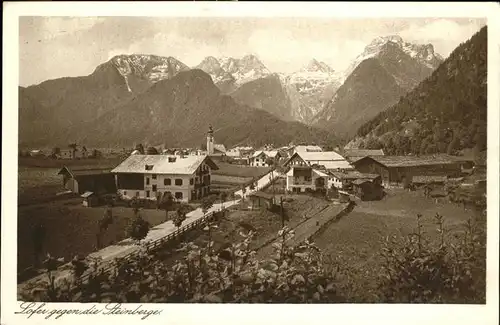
71 184
398 176
189 187
335 182
297 161
372 167
259 161
301 183
96 183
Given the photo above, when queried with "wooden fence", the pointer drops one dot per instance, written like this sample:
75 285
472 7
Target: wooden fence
151 245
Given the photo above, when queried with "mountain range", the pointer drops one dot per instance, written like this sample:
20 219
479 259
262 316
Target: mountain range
386 70
243 88
447 112
175 111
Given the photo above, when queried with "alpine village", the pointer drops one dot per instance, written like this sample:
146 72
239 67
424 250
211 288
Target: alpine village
150 181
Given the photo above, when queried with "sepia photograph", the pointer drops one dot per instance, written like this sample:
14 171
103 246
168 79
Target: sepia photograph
250 160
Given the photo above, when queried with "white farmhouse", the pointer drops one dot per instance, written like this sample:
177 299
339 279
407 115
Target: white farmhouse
259 158
186 178
310 170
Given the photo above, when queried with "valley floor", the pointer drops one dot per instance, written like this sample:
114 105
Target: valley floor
355 241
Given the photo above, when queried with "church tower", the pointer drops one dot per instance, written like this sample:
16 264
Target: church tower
210 141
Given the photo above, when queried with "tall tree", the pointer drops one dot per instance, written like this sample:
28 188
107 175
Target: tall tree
167 203
152 151
140 148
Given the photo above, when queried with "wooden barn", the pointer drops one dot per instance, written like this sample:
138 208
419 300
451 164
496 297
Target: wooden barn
261 200
398 171
367 189
81 180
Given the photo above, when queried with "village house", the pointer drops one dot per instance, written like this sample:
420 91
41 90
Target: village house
261 200
344 179
89 199
185 177
307 148
353 155
309 170
398 171
305 178
80 180
240 155
329 160
36 153
72 154
368 189
260 158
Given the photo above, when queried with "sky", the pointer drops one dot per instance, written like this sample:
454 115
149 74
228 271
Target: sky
54 47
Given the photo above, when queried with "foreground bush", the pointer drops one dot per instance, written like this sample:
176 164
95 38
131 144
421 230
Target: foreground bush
414 270
293 275
418 270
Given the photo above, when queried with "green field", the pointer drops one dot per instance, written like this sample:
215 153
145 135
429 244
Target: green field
240 171
72 228
356 240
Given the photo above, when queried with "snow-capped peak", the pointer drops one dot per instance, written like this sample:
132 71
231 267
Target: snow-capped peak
145 66
424 53
243 70
317 66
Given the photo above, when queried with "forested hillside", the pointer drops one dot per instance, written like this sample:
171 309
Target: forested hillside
446 112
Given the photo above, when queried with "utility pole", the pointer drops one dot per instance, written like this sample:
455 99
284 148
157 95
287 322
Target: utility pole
282 213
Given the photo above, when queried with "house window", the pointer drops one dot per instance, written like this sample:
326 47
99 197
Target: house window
191 181
178 182
125 193
307 178
147 181
147 193
167 181
178 195
137 194
154 188
153 176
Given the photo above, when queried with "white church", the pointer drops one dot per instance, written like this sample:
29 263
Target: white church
213 149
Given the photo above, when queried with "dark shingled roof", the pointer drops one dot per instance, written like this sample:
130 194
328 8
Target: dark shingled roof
363 152
429 179
82 171
353 175
262 195
413 161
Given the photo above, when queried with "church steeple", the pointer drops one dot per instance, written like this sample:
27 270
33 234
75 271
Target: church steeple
210 140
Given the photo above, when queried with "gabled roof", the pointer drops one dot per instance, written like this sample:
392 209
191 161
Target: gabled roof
429 179
363 152
163 164
87 194
328 159
361 181
220 147
412 161
308 148
353 175
262 195
270 154
320 156
82 171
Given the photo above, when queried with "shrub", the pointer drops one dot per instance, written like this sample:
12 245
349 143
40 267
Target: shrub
295 275
417 270
138 229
